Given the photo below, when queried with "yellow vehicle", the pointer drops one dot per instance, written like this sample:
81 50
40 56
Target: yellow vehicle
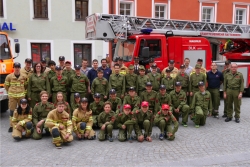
6 66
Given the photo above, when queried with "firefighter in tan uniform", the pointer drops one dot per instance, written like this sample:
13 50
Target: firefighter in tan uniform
82 121
27 70
203 70
60 125
15 84
173 72
21 121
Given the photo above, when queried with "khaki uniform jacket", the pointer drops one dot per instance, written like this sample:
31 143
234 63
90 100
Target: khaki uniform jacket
21 119
80 116
54 119
16 87
173 73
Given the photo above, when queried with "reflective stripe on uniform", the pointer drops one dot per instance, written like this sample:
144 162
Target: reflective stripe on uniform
57 139
30 116
69 123
88 128
74 118
16 94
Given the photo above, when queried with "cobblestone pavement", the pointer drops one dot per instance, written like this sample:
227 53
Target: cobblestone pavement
216 144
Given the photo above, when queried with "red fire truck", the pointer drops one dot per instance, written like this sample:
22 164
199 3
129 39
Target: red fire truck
164 40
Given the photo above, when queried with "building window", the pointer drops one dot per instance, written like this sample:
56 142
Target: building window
207 14
240 17
81 9
40 8
1 8
40 51
126 9
160 11
82 51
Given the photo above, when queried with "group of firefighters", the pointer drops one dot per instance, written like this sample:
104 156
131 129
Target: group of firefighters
125 98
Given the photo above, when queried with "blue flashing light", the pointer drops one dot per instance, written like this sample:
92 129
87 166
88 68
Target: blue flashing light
146 30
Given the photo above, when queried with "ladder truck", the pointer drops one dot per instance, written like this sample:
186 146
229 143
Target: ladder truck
165 39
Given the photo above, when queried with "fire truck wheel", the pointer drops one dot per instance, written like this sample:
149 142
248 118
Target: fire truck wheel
4 105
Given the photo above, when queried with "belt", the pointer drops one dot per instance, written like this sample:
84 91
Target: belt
234 88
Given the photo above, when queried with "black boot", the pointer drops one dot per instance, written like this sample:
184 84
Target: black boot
228 119
10 129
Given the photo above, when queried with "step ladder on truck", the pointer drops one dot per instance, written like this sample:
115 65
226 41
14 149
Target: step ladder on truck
165 39
6 66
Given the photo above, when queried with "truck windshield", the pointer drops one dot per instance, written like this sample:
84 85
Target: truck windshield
4 48
124 50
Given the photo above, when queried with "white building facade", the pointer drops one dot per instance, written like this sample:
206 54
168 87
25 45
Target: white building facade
47 29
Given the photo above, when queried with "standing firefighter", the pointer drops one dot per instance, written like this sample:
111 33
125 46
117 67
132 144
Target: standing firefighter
38 82
21 121
163 120
130 78
233 89
39 115
201 104
83 121
105 121
15 84
58 83
154 77
168 81
149 95
142 79
60 125
117 82
225 71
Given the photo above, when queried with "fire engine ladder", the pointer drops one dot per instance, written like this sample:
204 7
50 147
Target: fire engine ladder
110 26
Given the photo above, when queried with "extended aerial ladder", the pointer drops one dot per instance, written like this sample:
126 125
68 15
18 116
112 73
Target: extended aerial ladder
109 26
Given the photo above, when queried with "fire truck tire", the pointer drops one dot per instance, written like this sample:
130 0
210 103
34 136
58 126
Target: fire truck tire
4 105
248 92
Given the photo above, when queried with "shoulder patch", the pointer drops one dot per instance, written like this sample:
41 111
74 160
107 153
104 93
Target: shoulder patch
120 114
159 113
37 104
131 113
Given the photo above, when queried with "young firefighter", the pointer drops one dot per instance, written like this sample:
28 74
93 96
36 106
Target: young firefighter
96 107
163 120
142 79
100 85
155 77
116 102
76 103
21 121
168 81
149 95
132 99
201 104
144 120
60 125
183 78
39 115
126 124
60 98
179 103
130 78
162 97
106 120
83 121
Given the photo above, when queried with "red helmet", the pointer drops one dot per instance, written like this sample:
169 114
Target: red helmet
144 104
127 106
165 107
